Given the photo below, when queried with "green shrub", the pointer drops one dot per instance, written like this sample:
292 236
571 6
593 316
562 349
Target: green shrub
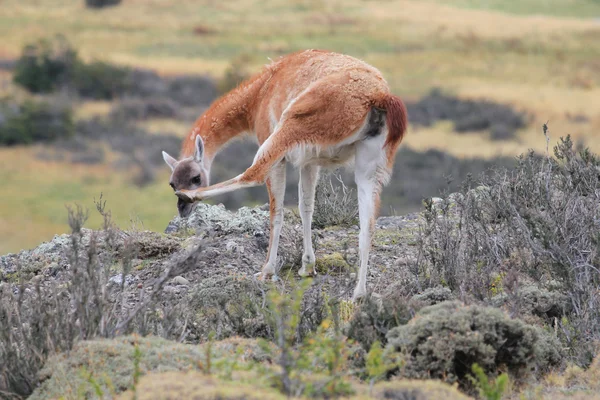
376 316
229 306
49 65
34 121
488 389
99 80
101 3
45 66
443 342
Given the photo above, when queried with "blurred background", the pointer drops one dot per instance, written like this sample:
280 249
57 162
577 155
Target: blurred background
92 90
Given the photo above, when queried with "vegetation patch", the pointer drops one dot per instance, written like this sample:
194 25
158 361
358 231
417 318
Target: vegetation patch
334 264
230 306
467 115
444 340
34 121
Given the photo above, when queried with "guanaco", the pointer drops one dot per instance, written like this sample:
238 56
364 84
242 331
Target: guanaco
313 109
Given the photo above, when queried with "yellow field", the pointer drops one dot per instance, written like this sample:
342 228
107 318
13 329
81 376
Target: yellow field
513 52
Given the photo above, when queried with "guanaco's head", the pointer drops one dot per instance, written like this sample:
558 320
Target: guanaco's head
189 174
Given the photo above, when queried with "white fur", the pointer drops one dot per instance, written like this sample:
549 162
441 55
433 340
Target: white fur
277 180
171 162
370 162
309 175
199 152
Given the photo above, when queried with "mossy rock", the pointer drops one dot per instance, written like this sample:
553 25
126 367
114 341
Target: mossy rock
332 264
195 385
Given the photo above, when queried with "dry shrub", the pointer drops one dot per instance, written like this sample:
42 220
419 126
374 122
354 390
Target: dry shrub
335 203
538 222
377 316
46 316
229 306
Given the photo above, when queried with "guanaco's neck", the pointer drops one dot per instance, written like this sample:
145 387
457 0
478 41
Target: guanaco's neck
226 118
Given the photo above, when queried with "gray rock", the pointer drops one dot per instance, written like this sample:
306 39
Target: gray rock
180 280
209 217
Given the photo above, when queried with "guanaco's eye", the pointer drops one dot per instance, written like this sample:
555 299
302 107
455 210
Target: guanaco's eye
196 180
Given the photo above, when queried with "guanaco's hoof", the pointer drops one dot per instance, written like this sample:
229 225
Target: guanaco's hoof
307 274
261 277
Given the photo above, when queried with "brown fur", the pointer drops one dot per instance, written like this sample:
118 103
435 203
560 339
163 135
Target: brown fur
327 113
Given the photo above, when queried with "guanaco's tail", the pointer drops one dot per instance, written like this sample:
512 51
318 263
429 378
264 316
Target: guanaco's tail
396 121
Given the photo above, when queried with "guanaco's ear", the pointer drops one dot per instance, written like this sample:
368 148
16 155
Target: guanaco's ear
199 153
171 162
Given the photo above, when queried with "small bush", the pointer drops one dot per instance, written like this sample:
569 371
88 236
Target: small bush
101 3
533 300
99 80
227 307
34 121
335 203
377 316
45 66
489 390
50 65
433 296
443 342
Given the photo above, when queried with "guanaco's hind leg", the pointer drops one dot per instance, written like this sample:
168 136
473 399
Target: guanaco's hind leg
309 175
369 175
276 188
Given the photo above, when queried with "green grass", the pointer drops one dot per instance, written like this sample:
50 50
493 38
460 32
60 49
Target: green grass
34 199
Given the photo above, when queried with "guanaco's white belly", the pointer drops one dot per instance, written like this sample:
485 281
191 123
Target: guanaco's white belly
331 157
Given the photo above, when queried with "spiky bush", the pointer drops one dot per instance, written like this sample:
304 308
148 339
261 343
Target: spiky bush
538 222
335 203
230 306
41 317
